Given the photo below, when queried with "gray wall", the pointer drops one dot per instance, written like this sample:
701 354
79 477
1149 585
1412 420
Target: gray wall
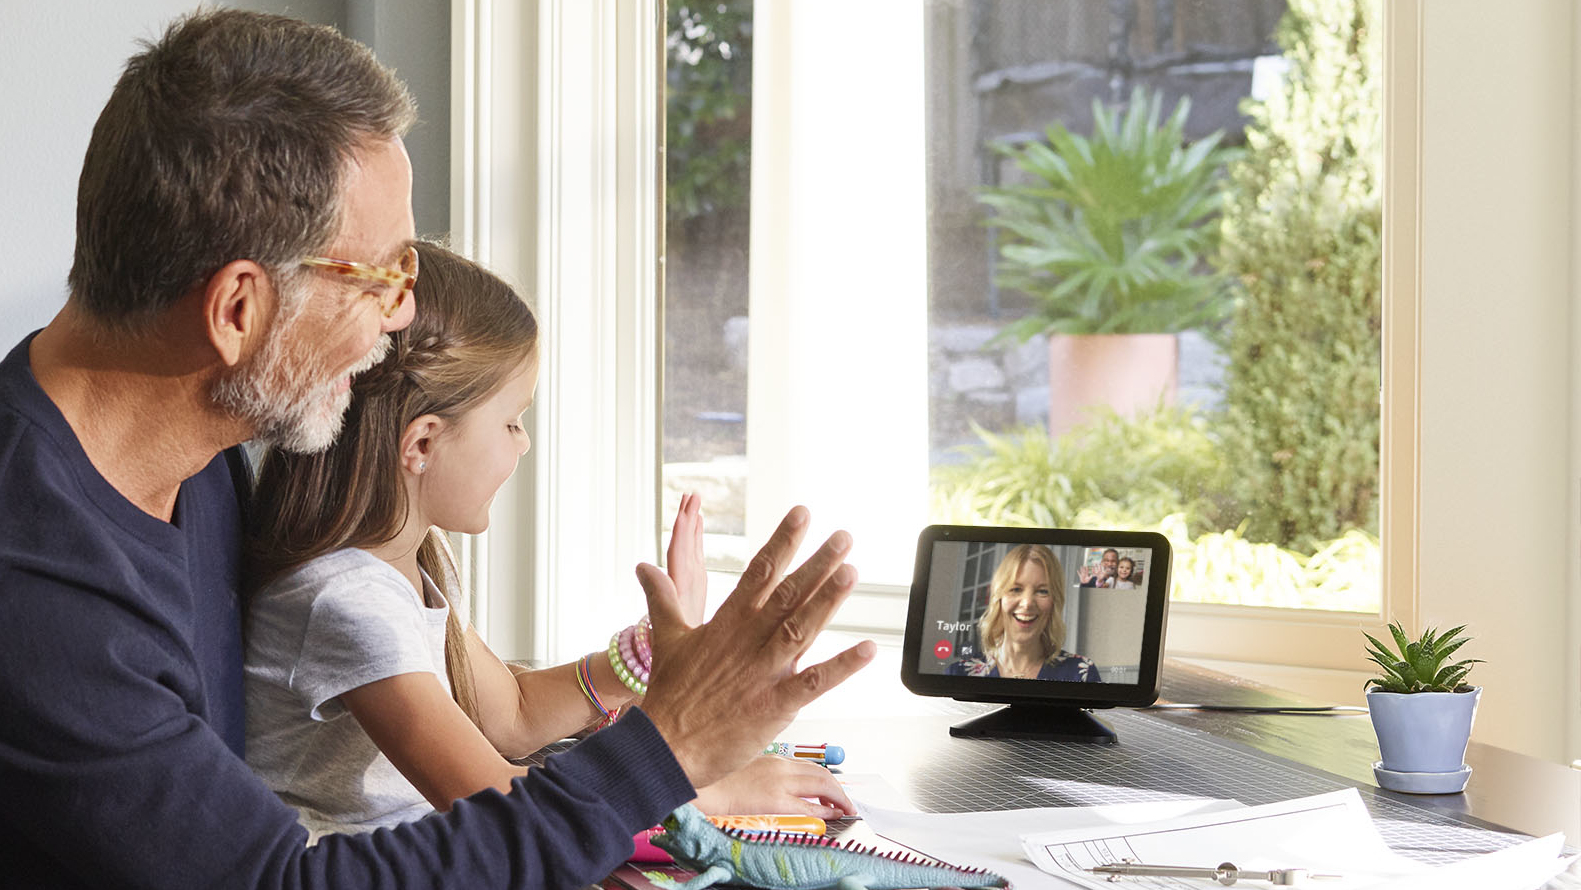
413 37
1110 630
58 62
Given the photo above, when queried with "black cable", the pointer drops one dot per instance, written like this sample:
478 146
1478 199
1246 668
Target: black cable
1321 710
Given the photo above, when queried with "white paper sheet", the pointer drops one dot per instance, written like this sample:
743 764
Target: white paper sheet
1328 833
991 840
1521 867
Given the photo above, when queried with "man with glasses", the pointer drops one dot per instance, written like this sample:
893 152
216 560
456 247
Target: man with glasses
244 244
1102 574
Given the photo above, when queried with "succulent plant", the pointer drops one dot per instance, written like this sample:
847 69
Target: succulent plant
1419 665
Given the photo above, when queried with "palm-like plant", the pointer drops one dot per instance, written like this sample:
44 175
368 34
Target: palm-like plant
1109 235
1419 665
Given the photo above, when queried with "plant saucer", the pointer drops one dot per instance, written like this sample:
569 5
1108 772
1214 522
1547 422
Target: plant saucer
1452 782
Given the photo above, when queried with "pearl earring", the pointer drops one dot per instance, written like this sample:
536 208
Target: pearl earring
422 466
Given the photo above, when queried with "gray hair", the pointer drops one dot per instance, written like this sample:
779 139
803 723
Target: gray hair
228 138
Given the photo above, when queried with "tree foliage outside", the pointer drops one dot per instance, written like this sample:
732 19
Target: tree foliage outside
708 108
1139 470
1302 236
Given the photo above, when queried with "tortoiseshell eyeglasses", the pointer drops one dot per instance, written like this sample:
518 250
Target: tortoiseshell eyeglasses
400 280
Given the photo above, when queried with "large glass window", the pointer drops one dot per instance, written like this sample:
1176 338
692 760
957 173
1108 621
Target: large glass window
708 192
1033 262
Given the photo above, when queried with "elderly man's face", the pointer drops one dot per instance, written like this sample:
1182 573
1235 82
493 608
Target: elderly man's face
297 387
1111 562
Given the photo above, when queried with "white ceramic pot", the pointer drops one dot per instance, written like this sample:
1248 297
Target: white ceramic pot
1422 738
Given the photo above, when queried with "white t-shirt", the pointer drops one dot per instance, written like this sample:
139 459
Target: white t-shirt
341 621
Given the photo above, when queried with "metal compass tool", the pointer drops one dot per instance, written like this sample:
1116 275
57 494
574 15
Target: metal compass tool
1225 874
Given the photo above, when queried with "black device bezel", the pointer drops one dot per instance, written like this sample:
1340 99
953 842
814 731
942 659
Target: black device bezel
1052 692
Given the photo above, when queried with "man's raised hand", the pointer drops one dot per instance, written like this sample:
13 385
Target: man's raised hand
720 692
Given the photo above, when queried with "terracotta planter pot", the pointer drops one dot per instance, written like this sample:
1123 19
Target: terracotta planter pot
1422 738
1126 372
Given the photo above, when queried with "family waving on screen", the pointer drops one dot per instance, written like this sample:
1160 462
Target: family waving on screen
1112 571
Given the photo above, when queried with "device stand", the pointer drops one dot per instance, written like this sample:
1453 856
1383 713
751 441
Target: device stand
1058 723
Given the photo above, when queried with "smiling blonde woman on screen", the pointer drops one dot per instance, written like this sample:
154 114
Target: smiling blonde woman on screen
1023 628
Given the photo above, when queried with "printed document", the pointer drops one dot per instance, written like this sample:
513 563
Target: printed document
1330 834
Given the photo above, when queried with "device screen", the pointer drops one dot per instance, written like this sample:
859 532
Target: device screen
1036 611
1052 622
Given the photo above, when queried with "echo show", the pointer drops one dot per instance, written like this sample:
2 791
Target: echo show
1049 621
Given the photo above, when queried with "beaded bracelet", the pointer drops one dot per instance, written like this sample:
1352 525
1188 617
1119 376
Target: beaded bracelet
584 679
628 655
638 685
642 645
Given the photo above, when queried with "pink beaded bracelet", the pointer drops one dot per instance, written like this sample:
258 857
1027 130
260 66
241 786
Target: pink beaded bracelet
619 663
644 649
638 670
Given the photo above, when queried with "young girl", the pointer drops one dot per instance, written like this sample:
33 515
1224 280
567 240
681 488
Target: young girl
369 699
1125 577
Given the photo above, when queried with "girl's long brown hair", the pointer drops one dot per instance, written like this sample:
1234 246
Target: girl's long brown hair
471 330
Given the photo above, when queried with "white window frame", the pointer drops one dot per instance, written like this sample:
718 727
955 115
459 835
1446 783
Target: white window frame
582 228
820 311
572 82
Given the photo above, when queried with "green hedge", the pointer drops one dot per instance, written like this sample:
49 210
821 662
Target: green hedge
1145 468
1159 471
1302 237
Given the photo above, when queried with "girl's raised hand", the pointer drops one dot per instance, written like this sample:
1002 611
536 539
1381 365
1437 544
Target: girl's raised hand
684 559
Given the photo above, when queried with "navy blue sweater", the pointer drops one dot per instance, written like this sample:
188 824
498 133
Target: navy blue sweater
121 724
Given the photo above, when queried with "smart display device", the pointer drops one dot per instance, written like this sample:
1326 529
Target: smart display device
1051 622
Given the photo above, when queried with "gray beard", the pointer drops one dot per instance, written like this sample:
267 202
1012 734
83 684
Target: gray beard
276 396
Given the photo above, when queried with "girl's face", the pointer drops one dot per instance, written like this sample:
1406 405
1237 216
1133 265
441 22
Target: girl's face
1027 604
1124 570
471 458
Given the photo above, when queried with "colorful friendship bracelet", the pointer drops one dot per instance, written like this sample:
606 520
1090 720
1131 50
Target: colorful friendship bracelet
584 679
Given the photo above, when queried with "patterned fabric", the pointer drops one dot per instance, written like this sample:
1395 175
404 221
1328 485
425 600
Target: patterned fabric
1064 666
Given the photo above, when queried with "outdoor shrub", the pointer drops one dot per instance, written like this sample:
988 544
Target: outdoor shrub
1109 234
1302 237
1224 567
1156 464
1160 471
